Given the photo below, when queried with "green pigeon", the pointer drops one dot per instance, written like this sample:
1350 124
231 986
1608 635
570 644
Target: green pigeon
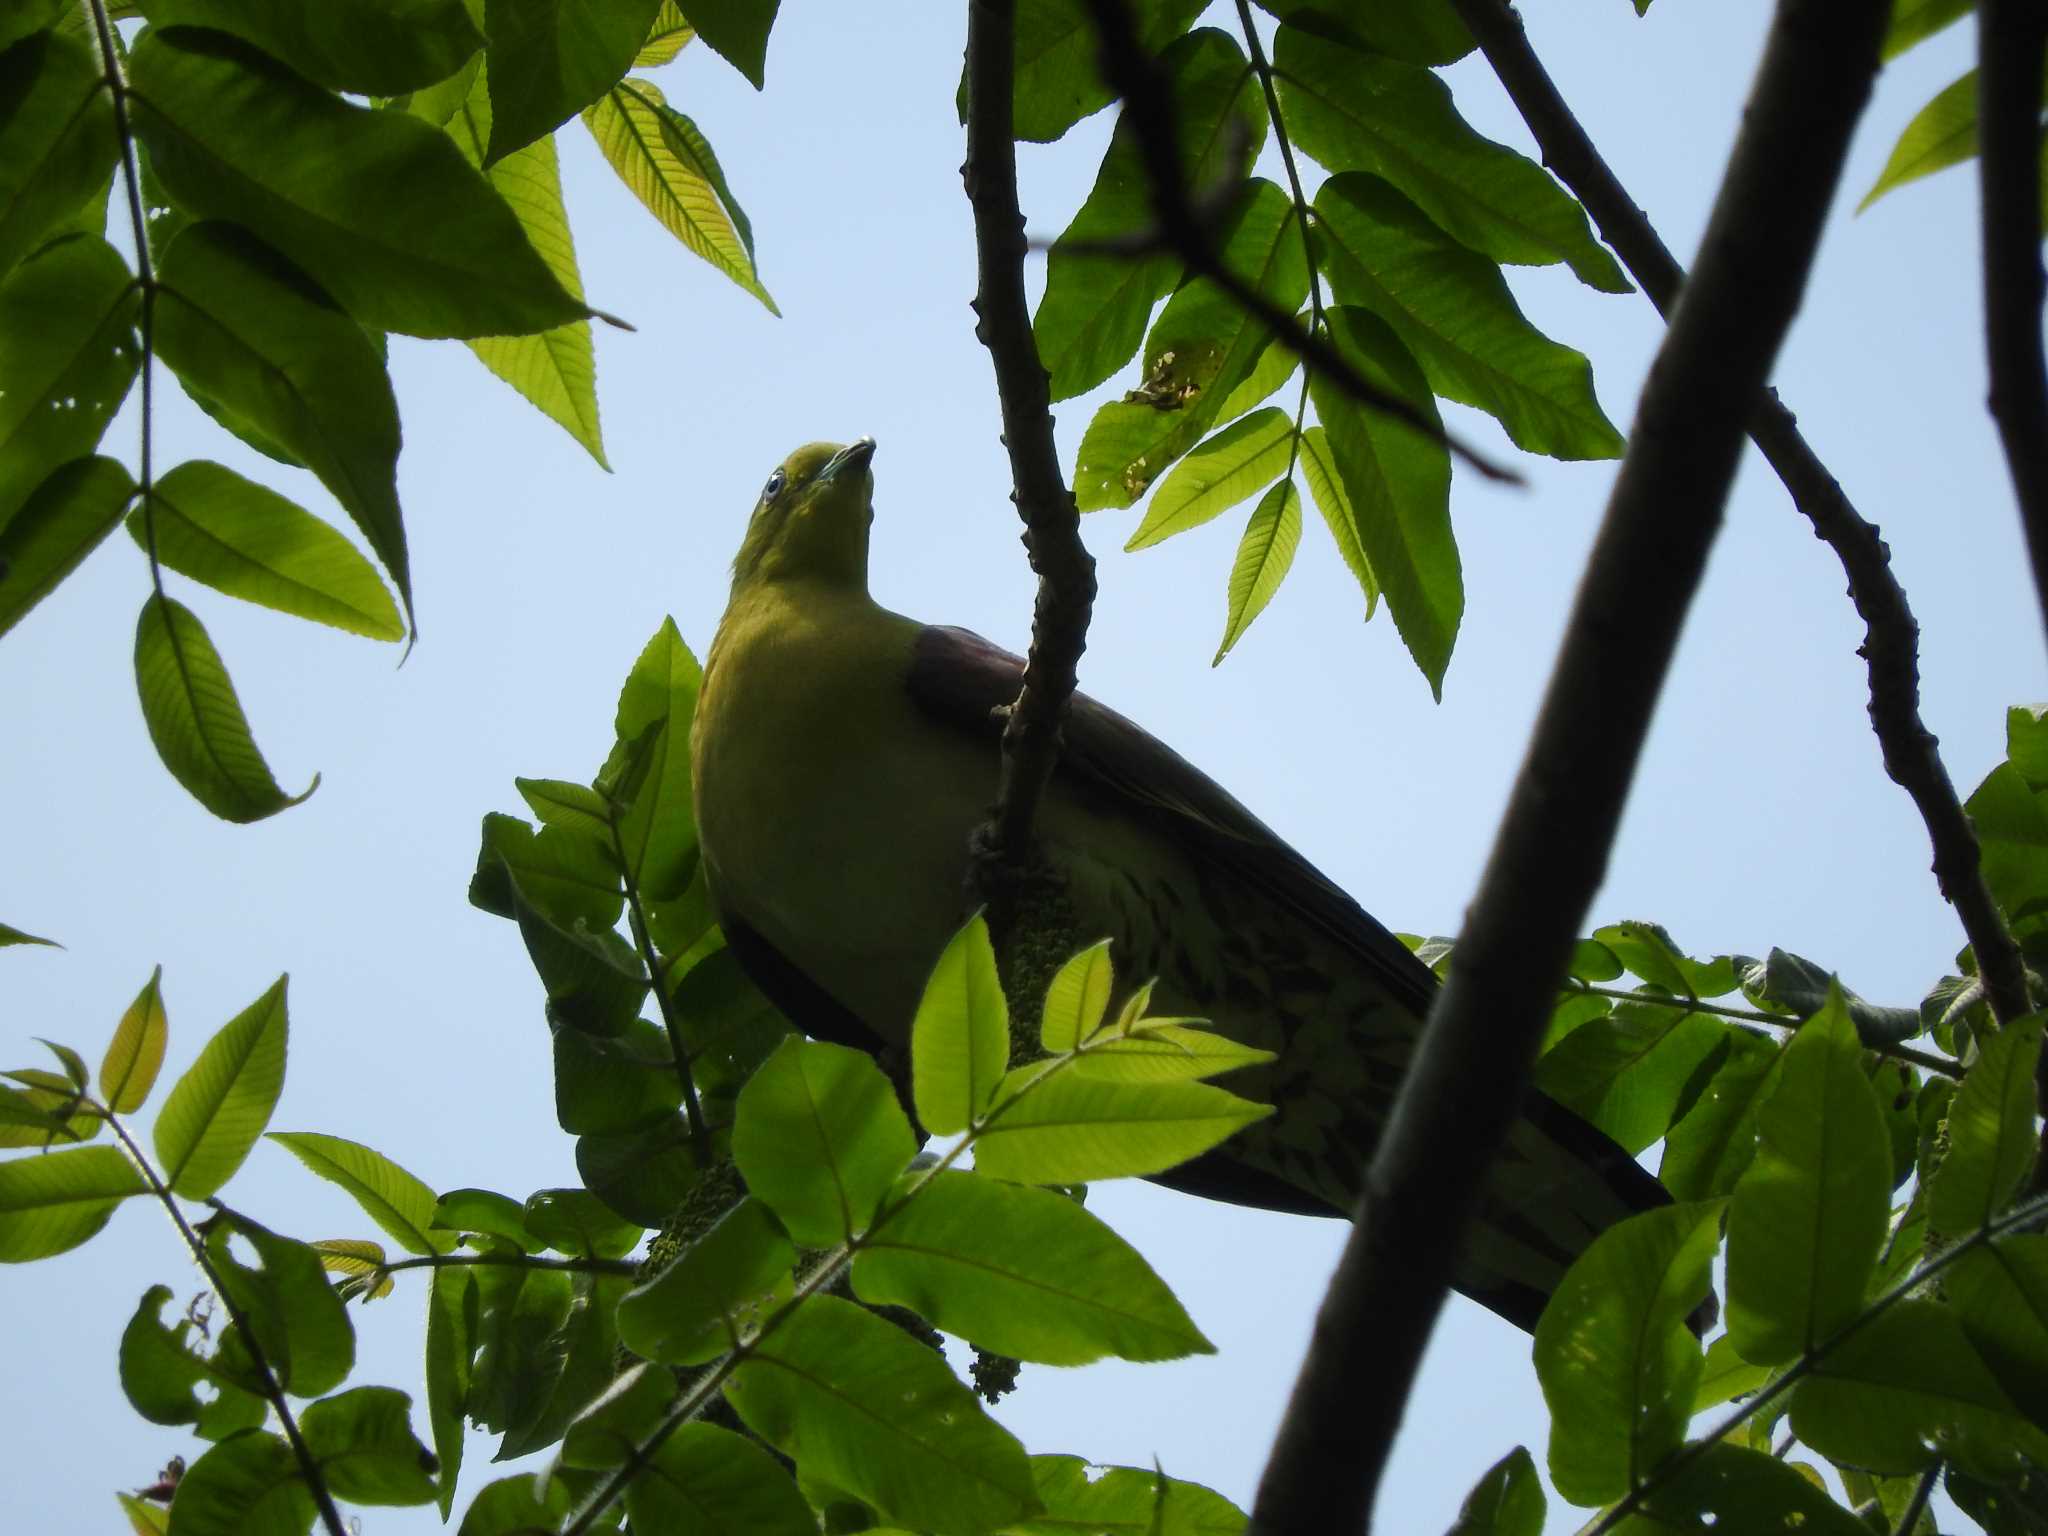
842 756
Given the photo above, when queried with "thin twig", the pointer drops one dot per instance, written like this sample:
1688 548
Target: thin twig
1148 105
1927 1061
1052 527
1917 1505
273 1390
1891 643
643 942
585 1266
1472 1067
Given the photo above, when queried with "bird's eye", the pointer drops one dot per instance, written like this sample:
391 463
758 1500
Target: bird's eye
773 488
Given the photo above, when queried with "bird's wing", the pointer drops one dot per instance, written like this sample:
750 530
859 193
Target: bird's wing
961 679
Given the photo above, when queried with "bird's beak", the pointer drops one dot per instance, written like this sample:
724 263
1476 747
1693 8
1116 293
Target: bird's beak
854 456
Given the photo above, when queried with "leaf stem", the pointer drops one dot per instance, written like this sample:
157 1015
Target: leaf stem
273 1391
643 941
1917 1504
583 1266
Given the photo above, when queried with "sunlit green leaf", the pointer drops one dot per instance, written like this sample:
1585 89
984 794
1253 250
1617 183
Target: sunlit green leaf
1627 1071
368 1454
68 313
244 539
711 1294
1320 469
450 1353
2000 1296
1021 1272
248 1485
220 1106
57 142
1991 1136
1708 1149
379 208
1942 133
710 1479
820 1138
136 1052
389 1196
667 164
667 36
565 871
1081 1497
658 832
1731 1488
1913 20
1452 309
1507 1501
195 719
1353 110
1264 556
1618 1365
1162 1051
1069 1129
1809 1214
574 1221
52 1202
287 1299
870 1411
1218 474
960 1039
1397 483
1076 998
516 1506
75 507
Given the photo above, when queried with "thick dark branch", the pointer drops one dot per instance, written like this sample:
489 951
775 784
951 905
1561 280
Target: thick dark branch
1052 530
2011 37
1182 228
1891 642
1472 1068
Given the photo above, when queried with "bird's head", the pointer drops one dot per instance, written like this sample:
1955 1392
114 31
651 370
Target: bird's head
812 519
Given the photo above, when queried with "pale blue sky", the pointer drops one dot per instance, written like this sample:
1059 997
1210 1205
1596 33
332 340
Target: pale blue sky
1761 815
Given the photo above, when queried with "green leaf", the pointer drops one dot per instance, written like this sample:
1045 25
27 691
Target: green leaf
520 1315
2000 1296
248 1485
276 360
52 1202
77 506
220 1106
136 1052
367 1451
516 1506
11 936
1913 20
559 802
389 1196
2012 830
196 721
1942 133
556 370
1070 1130
710 1479
1398 483
1707 1151
1808 1216
564 872
1081 1497
1791 983
1731 1488
380 208
2006 1507
713 1293
244 539
552 58
1058 75
1991 1136
1217 475
367 47
610 1086
1627 1072
1453 311
1341 518
1507 1501
670 33
1021 1272
960 1039
159 1369
487 1212
57 141
297 1315
868 1410
1264 556
1727 1376
666 163
593 979
1162 1051
1617 1362
68 313
658 832
575 1222
25 18
1903 1389
1076 998
1353 110
642 1174
1093 313
820 1138
450 1353
580 1360
737 31
1203 346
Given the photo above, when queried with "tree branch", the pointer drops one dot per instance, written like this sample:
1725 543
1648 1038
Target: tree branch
2011 37
1148 103
1472 1068
1052 532
1891 639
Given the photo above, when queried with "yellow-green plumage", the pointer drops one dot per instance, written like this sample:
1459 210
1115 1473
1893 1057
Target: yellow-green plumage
843 754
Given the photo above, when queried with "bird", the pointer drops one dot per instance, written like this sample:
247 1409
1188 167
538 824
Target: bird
843 754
